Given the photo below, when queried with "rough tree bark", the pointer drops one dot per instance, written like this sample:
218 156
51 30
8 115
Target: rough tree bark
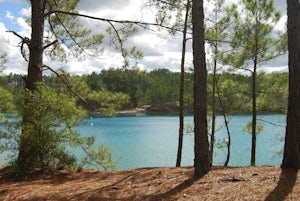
291 157
201 147
34 72
36 45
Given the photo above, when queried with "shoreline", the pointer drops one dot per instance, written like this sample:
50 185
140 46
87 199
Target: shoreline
133 111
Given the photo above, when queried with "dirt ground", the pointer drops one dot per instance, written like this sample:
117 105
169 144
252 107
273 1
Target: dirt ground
249 183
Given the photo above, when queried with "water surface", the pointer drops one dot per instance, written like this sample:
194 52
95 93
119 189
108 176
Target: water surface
143 141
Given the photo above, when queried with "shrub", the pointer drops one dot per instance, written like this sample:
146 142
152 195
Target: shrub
47 132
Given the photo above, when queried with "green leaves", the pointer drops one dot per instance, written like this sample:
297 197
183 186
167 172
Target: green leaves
248 128
253 36
47 131
96 100
108 102
6 100
99 156
74 35
170 13
70 32
118 35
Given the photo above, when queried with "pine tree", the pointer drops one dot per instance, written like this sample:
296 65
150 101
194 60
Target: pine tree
201 148
60 20
291 156
254 43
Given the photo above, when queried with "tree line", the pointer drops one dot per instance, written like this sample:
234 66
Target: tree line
160 89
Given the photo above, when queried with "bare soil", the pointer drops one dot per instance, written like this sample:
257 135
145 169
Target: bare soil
242 183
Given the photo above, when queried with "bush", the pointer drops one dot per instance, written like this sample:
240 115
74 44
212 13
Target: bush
47 131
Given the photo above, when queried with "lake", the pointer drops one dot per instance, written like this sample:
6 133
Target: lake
151 141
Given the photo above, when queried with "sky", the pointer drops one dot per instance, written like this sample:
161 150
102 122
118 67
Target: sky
159 48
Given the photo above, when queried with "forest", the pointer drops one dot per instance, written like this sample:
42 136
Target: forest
160 89
229 38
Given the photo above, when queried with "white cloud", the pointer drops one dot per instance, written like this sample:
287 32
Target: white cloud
23 25
9 44
281 25
9 15
160 49
26 12
95 6
280 69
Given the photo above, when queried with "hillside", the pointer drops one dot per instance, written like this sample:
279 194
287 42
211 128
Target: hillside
249 183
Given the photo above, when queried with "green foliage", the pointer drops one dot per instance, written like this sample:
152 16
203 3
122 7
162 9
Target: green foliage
216 31
69 31
47 131
132 82
164 90
248 128
6 100
159 89
170 13
118 36
46 128
99 156
107 101
102 100
94 82
273 92
14 84
253 38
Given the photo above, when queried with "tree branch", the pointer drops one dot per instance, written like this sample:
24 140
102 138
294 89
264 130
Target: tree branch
24 40
67 31
65 81
120 41
52 43
139 23
271 123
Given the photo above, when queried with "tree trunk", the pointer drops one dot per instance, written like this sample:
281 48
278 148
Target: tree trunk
201 147
291 156
213 115
36 46
253 132
181 98
34 75
226 125
254 112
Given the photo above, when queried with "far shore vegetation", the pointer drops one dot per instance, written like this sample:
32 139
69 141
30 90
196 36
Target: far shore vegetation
160 89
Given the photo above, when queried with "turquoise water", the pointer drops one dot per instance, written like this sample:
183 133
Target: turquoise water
151 141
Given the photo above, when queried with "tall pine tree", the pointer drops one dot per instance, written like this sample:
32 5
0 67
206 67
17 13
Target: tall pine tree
254 42
201 148
291 156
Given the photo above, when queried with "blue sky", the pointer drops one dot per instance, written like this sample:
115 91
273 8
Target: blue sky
14 8
160 50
